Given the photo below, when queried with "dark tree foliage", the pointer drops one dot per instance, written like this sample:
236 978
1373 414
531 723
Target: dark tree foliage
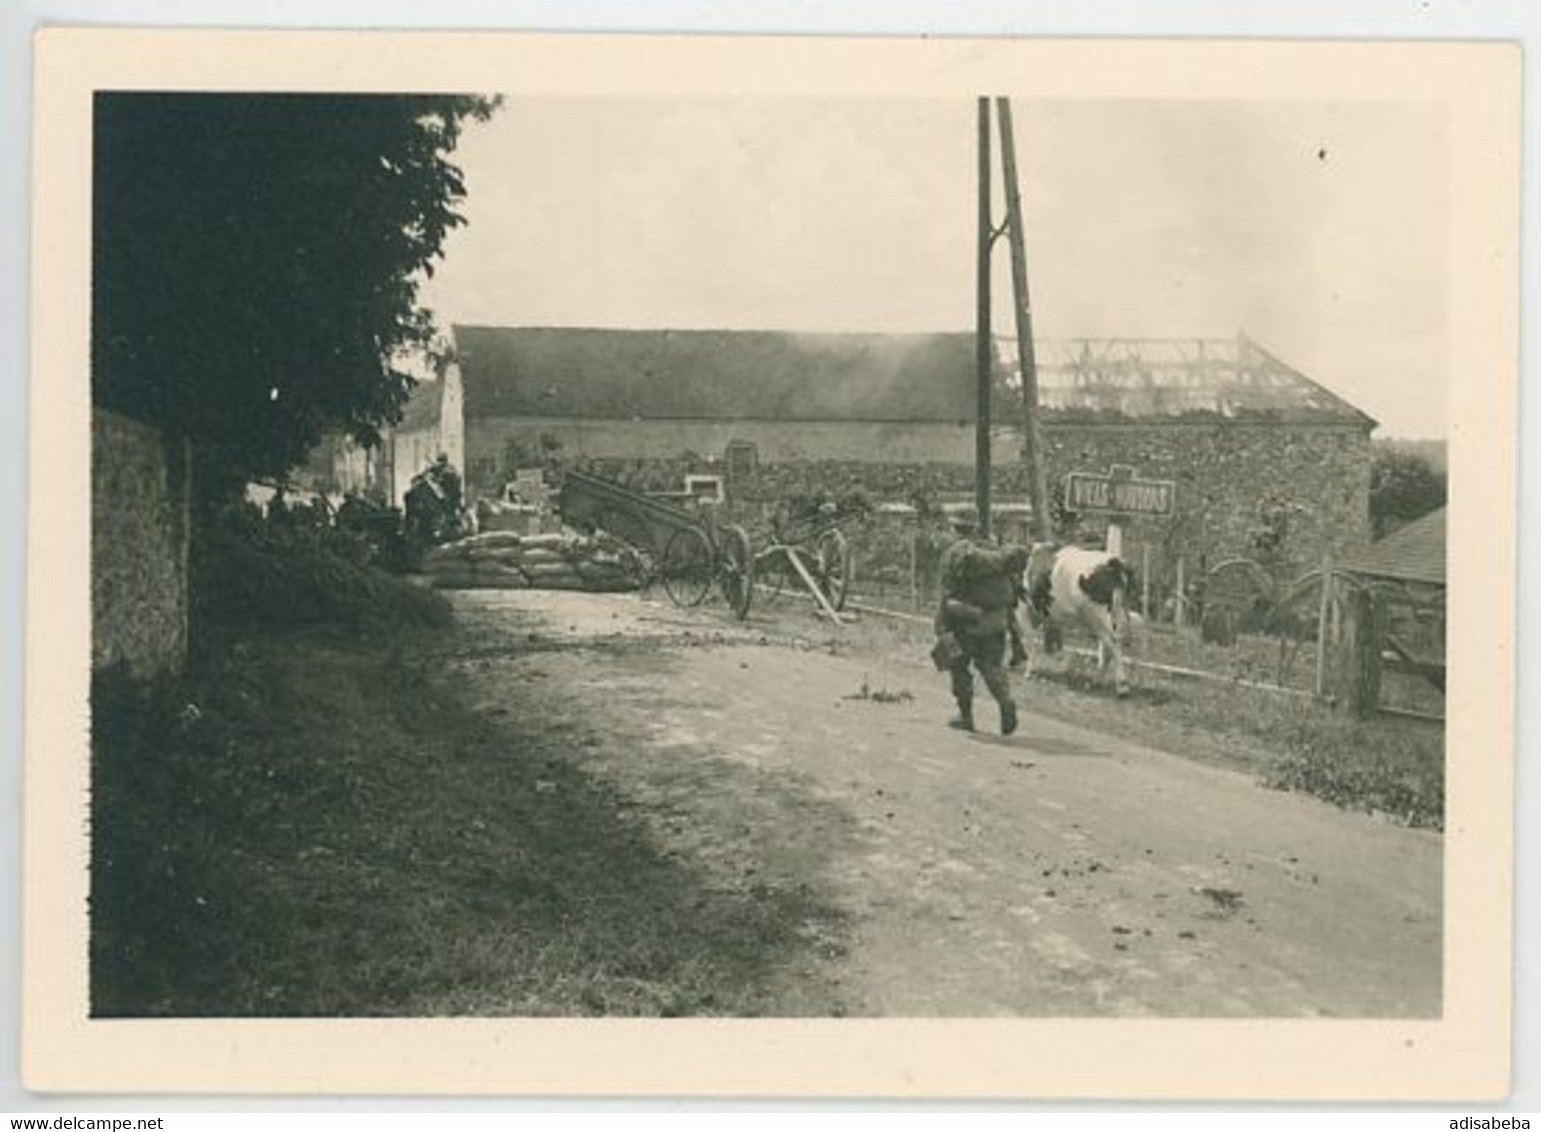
1403 487
256 262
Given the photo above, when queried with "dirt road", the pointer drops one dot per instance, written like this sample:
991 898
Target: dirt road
1058 872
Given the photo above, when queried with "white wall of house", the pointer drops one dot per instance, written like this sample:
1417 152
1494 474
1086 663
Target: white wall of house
412 452
452 421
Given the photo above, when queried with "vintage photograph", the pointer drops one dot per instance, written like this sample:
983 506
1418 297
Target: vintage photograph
657 557
684 550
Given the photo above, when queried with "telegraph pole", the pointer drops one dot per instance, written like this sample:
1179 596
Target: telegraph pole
983 349
1032 440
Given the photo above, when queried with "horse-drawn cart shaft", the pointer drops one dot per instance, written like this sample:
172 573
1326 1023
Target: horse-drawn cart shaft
813 554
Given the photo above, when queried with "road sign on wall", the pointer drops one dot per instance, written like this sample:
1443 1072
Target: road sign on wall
1119 492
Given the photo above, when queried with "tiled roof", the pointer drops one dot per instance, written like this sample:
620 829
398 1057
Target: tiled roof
736 375
1414 553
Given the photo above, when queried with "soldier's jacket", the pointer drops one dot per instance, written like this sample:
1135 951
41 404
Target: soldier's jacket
984 577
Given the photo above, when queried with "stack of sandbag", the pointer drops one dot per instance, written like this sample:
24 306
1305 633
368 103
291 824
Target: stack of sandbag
509 560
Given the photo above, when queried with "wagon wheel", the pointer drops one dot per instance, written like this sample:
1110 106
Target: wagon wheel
687 566
735 570
834 566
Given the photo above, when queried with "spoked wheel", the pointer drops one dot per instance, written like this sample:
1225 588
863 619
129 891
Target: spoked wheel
687 566
735 570
834 567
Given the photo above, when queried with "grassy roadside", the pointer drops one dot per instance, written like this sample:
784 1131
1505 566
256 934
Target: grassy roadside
313 825
1390 766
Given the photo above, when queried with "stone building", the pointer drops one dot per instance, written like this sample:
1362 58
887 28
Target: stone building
1267 463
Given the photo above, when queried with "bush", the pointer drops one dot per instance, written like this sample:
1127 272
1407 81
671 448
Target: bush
1363 766
254 577
165 790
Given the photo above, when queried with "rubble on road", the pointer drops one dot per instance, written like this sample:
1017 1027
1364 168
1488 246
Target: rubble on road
512 561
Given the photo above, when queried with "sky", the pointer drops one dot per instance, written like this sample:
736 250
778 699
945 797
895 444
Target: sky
1317 229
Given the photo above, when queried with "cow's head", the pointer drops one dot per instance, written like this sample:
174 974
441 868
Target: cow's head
1107 578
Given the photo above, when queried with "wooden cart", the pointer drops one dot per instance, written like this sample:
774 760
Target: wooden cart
685 548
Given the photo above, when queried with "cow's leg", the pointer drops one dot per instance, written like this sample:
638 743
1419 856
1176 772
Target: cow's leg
1120 678
1118 625
1104 626
1032 641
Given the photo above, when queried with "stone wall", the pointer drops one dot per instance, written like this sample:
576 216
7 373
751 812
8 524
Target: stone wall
139 542
495 446
1278 493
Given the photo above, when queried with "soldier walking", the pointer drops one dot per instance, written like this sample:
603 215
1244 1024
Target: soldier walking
979 592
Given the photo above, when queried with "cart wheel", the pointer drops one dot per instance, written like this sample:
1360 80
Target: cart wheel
687 566
735 570
834 567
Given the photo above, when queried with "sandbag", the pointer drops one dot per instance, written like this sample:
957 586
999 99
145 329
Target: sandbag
545 564
547 540
542 557
494 573
507 556
488 539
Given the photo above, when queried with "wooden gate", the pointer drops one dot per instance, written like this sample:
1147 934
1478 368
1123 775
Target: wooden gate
1390 648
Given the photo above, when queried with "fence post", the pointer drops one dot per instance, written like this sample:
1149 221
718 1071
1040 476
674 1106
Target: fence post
914 577
1323 623
1145 581
1180 615
1363 628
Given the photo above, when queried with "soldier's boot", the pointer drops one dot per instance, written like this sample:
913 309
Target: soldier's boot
1008 716
964 720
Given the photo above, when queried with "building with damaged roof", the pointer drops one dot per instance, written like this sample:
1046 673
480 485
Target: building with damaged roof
1266 459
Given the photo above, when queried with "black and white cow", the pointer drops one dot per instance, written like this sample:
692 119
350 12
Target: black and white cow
1071 585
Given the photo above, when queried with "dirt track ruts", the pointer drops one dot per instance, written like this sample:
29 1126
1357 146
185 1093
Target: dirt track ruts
1058 872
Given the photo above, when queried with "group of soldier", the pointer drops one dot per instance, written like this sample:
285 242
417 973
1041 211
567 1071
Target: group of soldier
435 505
433 511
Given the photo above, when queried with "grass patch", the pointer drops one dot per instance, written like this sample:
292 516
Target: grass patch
257 578
1391 767
319 828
